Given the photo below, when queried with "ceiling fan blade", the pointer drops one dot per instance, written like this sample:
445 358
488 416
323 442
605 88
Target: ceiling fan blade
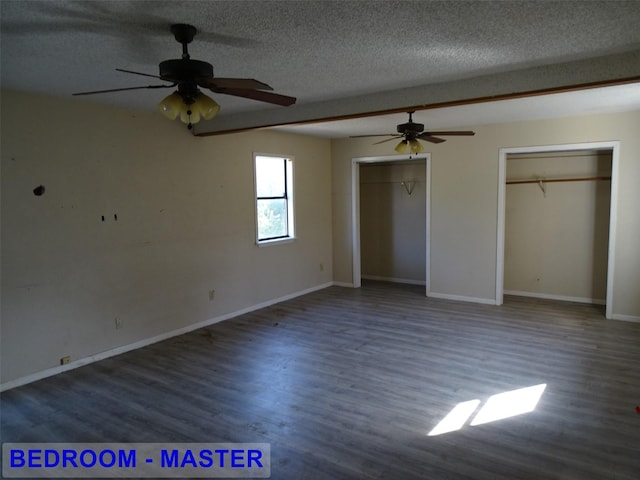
429 138
123 89
223 83
138 73
388 139
259 95
459 132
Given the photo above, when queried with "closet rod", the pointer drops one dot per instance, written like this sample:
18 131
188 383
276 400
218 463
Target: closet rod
389 182
543 180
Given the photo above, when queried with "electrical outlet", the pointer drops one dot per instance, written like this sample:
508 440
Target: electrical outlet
118 323
212 295
322 267
65 360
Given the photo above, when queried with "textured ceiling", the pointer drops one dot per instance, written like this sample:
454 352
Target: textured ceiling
325 53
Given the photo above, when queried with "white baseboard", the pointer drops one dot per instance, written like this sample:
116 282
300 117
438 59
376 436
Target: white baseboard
548 296
342 284
149 341
625 318
462 298
394 280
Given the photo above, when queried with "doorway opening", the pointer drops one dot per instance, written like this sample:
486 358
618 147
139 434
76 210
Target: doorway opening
537 243
389 179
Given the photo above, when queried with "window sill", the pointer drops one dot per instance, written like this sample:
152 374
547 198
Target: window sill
276 241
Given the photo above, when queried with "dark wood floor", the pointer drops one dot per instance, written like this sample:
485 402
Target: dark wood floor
346 384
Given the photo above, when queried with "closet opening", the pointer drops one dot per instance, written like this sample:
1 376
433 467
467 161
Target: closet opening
556 222
390 206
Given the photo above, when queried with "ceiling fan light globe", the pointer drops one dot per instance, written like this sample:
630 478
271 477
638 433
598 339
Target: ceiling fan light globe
416 146
207 107
401 147
171 105
184 116
189 114
195 114
168 112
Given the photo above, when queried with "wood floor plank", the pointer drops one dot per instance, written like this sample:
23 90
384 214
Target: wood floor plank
346 384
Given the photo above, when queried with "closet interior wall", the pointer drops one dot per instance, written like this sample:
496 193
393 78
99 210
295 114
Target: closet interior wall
393 221
557 226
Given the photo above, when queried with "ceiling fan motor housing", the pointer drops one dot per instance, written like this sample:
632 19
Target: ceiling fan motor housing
410 127
185 70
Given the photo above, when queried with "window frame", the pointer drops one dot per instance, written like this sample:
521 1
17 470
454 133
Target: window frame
288 164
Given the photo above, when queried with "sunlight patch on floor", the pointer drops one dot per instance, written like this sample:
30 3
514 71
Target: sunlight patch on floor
509 404
497 407
456 418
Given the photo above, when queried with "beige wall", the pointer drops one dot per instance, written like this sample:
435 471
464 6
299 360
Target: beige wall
556 237
464 201
185 226
186 222
392 221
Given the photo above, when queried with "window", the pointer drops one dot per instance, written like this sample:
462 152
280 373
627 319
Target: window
274 198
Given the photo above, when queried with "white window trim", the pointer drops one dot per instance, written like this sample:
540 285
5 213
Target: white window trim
290 201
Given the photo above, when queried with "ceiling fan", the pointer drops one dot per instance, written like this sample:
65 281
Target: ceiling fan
411 132
188 102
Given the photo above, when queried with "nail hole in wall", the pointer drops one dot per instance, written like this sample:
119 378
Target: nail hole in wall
38 191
